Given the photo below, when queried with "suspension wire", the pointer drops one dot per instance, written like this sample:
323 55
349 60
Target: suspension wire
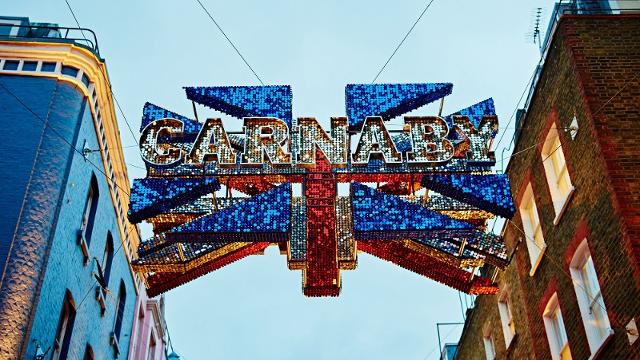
401 42
229 40
76 20
110 89
35 115
436 347
524 91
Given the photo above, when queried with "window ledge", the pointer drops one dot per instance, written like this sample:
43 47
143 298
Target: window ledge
536 263
84 247
115 344
559 214
101 300
607 339
511 342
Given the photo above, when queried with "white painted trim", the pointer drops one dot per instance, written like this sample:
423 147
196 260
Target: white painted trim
600 347
565 202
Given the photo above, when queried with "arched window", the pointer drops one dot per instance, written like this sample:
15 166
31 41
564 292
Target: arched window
90 209
65 328
122 300
88 353
107 258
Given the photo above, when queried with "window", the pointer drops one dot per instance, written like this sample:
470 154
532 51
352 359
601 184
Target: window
555 168
88 353
506 318
90 208
151 354
556 334
489 346
122 300
592 308
107 258
532 229
65 328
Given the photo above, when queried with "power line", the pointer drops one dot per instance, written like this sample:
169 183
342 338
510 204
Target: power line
61 137
110 89
524 91
123 115
229 40
401 42
76 19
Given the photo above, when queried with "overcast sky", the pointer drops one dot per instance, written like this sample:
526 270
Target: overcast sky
254 308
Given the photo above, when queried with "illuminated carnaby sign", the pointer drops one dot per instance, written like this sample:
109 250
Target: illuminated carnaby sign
419 195
269 140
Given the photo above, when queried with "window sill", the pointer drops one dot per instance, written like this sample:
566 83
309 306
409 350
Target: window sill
536 263
100 297
511 342
559 213
114 343
82 242
602 345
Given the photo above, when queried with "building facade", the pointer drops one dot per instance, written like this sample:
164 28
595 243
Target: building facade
66 290
572 289
148 338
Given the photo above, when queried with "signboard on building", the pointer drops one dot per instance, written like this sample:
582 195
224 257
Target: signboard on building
418 196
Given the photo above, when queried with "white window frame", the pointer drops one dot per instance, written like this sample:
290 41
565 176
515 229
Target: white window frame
592 308
532 225
489 345
556 332
506 318
557 173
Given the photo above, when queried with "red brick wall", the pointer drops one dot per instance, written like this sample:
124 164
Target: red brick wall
589 72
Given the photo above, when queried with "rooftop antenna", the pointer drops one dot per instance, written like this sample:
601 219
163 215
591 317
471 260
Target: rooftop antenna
536 28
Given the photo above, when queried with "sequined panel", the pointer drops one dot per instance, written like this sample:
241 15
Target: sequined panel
154 196
347 256
389 100
321 276
264 217
298 242
160 282
487 192
418 262
380 216
246 101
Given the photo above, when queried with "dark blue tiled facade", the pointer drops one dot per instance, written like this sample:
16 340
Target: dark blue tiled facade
44 190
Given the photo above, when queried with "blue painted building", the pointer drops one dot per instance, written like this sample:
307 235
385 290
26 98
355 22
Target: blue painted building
64 199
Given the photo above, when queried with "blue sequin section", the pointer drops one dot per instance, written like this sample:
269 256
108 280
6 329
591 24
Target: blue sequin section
389 100
153 112
490 192
268 212
246 101
153 196
475 112
374 211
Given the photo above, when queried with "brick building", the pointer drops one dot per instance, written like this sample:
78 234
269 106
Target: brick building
64 203
572 290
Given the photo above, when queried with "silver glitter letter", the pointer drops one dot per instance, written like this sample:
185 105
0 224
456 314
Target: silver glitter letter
479 140
265 136
160 152
212 144
375 139
429 142
333 147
